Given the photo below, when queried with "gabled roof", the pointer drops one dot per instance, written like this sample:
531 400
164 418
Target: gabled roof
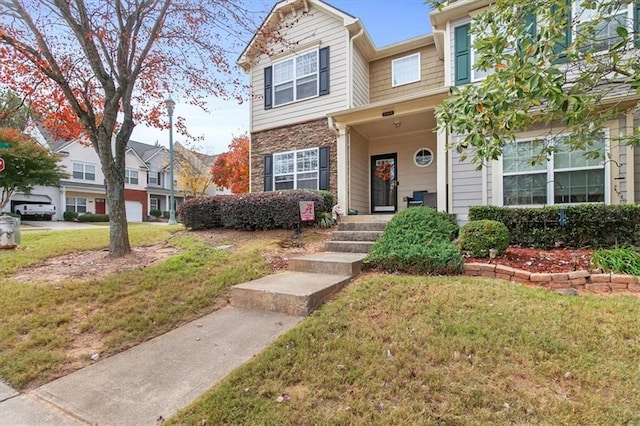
285 7
145 151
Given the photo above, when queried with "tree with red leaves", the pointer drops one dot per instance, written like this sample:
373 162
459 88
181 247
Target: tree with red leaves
94 69
231 169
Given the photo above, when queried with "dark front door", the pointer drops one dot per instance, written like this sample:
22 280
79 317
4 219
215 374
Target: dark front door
384 170
100 206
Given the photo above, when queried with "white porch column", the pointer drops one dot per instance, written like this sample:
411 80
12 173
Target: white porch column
63 202
441 171
342 143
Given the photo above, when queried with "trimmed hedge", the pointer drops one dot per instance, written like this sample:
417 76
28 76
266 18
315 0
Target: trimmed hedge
70 216
260 210
587 225
479 236
90 217
417 241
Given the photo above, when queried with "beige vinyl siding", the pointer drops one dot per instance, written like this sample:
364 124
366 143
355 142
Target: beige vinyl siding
358 173
309 31
466 188
431 75
410 177
360 79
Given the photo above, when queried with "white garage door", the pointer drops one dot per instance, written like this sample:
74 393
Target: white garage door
134 211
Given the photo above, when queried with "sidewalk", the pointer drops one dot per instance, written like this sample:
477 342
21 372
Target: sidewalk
152 381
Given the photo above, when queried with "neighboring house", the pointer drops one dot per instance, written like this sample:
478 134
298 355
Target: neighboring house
330 110
146 180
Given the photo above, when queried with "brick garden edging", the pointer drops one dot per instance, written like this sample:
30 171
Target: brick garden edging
579 280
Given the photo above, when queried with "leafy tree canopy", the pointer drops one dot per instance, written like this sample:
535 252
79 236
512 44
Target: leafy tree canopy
26 164
552 65
193 168
231 169
13 111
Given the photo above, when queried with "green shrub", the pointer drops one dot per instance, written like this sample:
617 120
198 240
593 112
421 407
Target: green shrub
261 210
623 260
328 200
90 217
588 225
201 212
155 213
166 214
324 220
70 216
267 210
417 241
478 236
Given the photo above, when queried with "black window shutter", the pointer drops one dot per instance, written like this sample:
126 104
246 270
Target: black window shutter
564 43
462 55
531 24
268 173
324 168
268 83
324 70
636 22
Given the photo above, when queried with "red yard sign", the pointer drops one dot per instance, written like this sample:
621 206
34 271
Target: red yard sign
307 213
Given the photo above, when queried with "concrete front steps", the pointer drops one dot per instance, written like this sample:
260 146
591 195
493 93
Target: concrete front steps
313 278
356 234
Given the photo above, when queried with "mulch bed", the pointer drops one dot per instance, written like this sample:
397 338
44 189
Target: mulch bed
540 261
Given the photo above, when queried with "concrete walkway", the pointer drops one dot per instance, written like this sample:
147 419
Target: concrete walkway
152 381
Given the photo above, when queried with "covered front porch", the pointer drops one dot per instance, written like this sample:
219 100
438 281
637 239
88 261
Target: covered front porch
389 154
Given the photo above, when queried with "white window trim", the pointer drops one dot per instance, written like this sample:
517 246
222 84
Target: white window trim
393 70
550 170
75 204
84 170
127 176
574 14
293 81
295 172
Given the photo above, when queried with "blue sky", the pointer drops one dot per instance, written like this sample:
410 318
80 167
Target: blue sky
386 21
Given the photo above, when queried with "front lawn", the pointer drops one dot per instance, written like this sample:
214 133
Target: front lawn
50 329
442 350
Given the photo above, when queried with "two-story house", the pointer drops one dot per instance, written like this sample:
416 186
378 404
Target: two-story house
146 180
330 110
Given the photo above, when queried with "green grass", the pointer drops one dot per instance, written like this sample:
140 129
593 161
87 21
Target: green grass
49 330
36 246
415 350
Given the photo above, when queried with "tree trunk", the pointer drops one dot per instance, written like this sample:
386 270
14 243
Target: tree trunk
113 169
118 227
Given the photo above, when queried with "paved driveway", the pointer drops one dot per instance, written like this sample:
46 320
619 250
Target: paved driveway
41 225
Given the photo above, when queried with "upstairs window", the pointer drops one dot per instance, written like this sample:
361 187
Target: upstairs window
605 33
131 176
405 70
303 76
296 78
83 171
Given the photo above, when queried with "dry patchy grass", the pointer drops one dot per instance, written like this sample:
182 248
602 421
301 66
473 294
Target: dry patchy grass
414 350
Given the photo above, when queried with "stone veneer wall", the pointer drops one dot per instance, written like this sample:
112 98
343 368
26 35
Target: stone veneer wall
312 134
578 280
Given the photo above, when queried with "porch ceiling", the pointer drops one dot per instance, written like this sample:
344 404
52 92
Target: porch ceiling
397 125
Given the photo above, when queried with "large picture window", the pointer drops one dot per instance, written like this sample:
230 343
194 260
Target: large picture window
567 177
405 70
296 169
84 171
295 78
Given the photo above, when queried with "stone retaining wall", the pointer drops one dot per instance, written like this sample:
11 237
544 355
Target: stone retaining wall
578 280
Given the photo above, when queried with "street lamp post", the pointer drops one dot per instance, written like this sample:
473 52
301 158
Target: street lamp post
172 210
